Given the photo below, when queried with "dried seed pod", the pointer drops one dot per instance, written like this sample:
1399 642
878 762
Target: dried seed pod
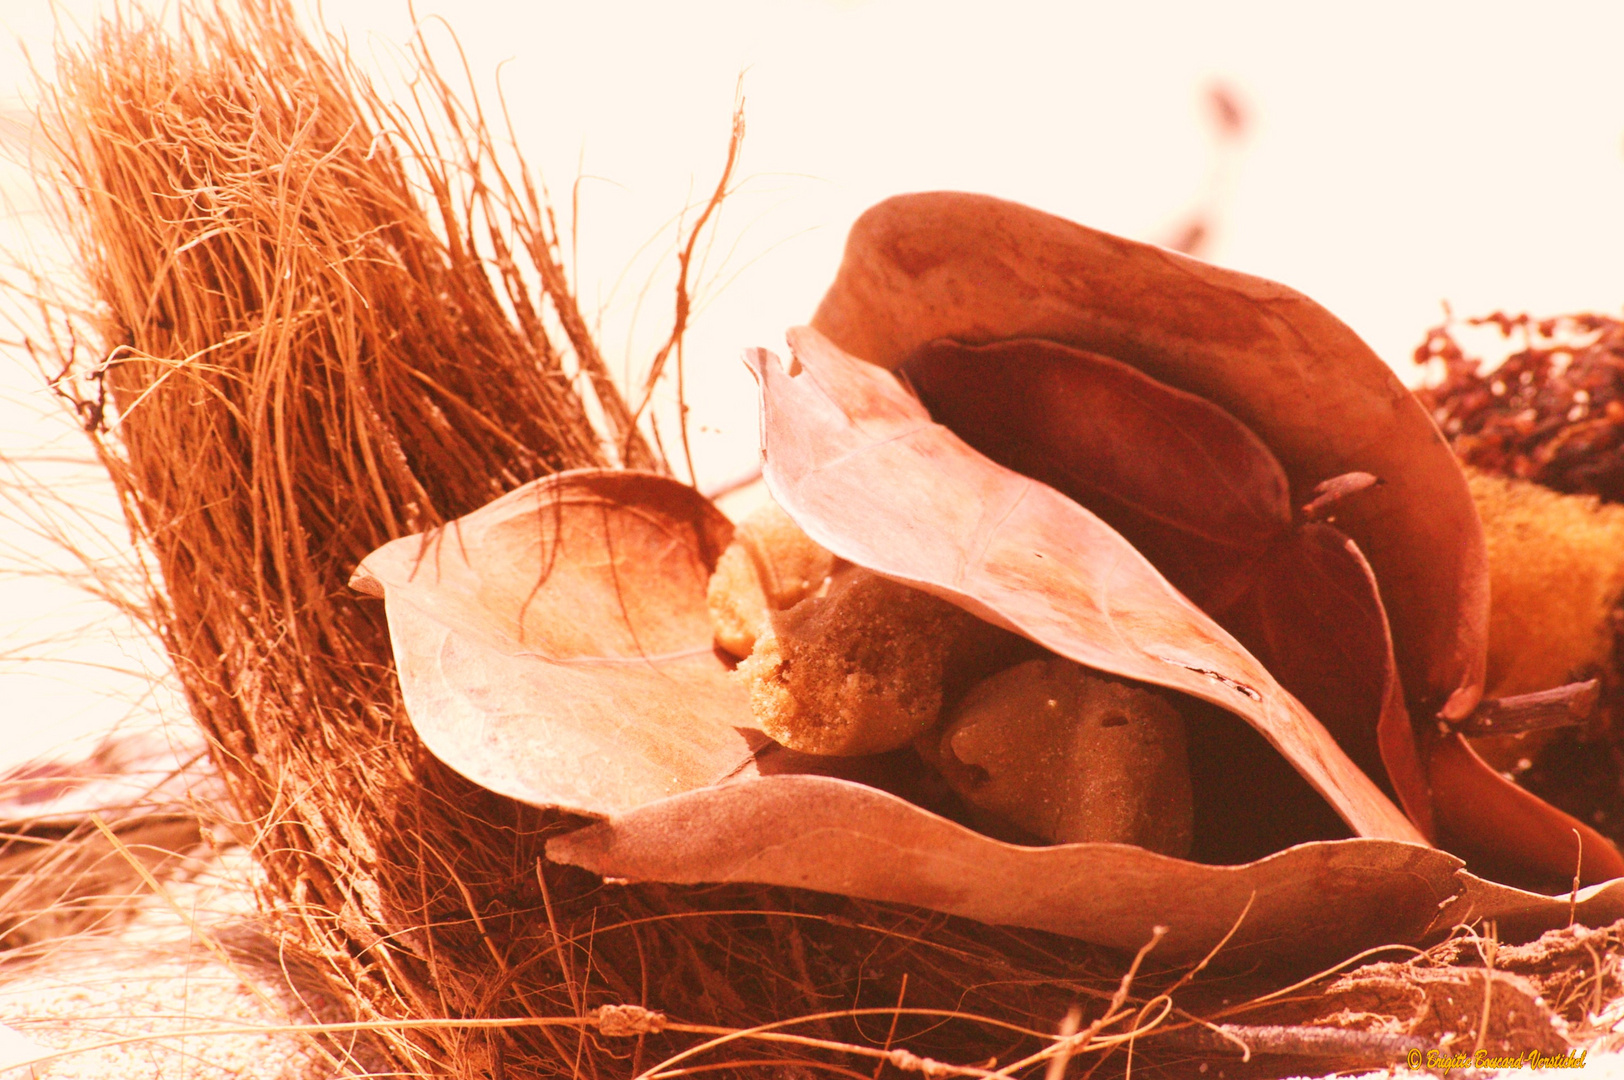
861 668
770 565
1070 755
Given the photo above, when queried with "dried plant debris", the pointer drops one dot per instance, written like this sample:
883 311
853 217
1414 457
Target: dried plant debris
924 268
308 320
1469 995
293 391
1353 562
1552 412
1543 436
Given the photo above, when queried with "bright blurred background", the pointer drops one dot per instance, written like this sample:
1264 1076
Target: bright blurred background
1389 158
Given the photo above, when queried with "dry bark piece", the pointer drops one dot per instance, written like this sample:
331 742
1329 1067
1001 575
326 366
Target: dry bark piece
860 669
771 565
1544 710
860 465
1072 756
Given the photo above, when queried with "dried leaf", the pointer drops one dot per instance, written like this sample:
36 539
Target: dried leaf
526 637
815 832
1312 902
1188 485
1200 496
973 269
861 467
978 270
554 645
1508 831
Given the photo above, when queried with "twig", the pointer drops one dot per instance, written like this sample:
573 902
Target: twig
679 324
1328 493
1487 948
1245 1040
1561 706
1578 873
890 1036
1067 1044
1068 1028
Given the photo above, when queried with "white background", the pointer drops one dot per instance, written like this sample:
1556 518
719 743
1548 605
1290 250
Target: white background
1399 155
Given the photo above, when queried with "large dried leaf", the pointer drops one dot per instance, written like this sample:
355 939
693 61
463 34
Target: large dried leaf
974 269
1311 902
1188 485
1200 496
554 645
977 270
859 464
814 832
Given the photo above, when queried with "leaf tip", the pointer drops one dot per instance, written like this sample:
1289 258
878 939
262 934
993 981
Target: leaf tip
756 359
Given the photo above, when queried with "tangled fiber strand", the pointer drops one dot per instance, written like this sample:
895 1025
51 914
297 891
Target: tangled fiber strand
298 357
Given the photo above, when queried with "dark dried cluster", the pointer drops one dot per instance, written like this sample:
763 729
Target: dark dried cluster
1552 413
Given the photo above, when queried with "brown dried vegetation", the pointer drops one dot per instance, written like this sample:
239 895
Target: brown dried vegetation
1544 433
323 322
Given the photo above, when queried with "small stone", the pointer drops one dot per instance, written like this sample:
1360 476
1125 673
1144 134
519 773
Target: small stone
861 669
770 565
1071 755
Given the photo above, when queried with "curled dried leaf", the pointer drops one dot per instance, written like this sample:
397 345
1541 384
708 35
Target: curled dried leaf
977 270
522 635
1200 496
974 270
554 645
860 465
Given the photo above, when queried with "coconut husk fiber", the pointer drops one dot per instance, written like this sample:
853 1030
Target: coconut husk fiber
322 320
